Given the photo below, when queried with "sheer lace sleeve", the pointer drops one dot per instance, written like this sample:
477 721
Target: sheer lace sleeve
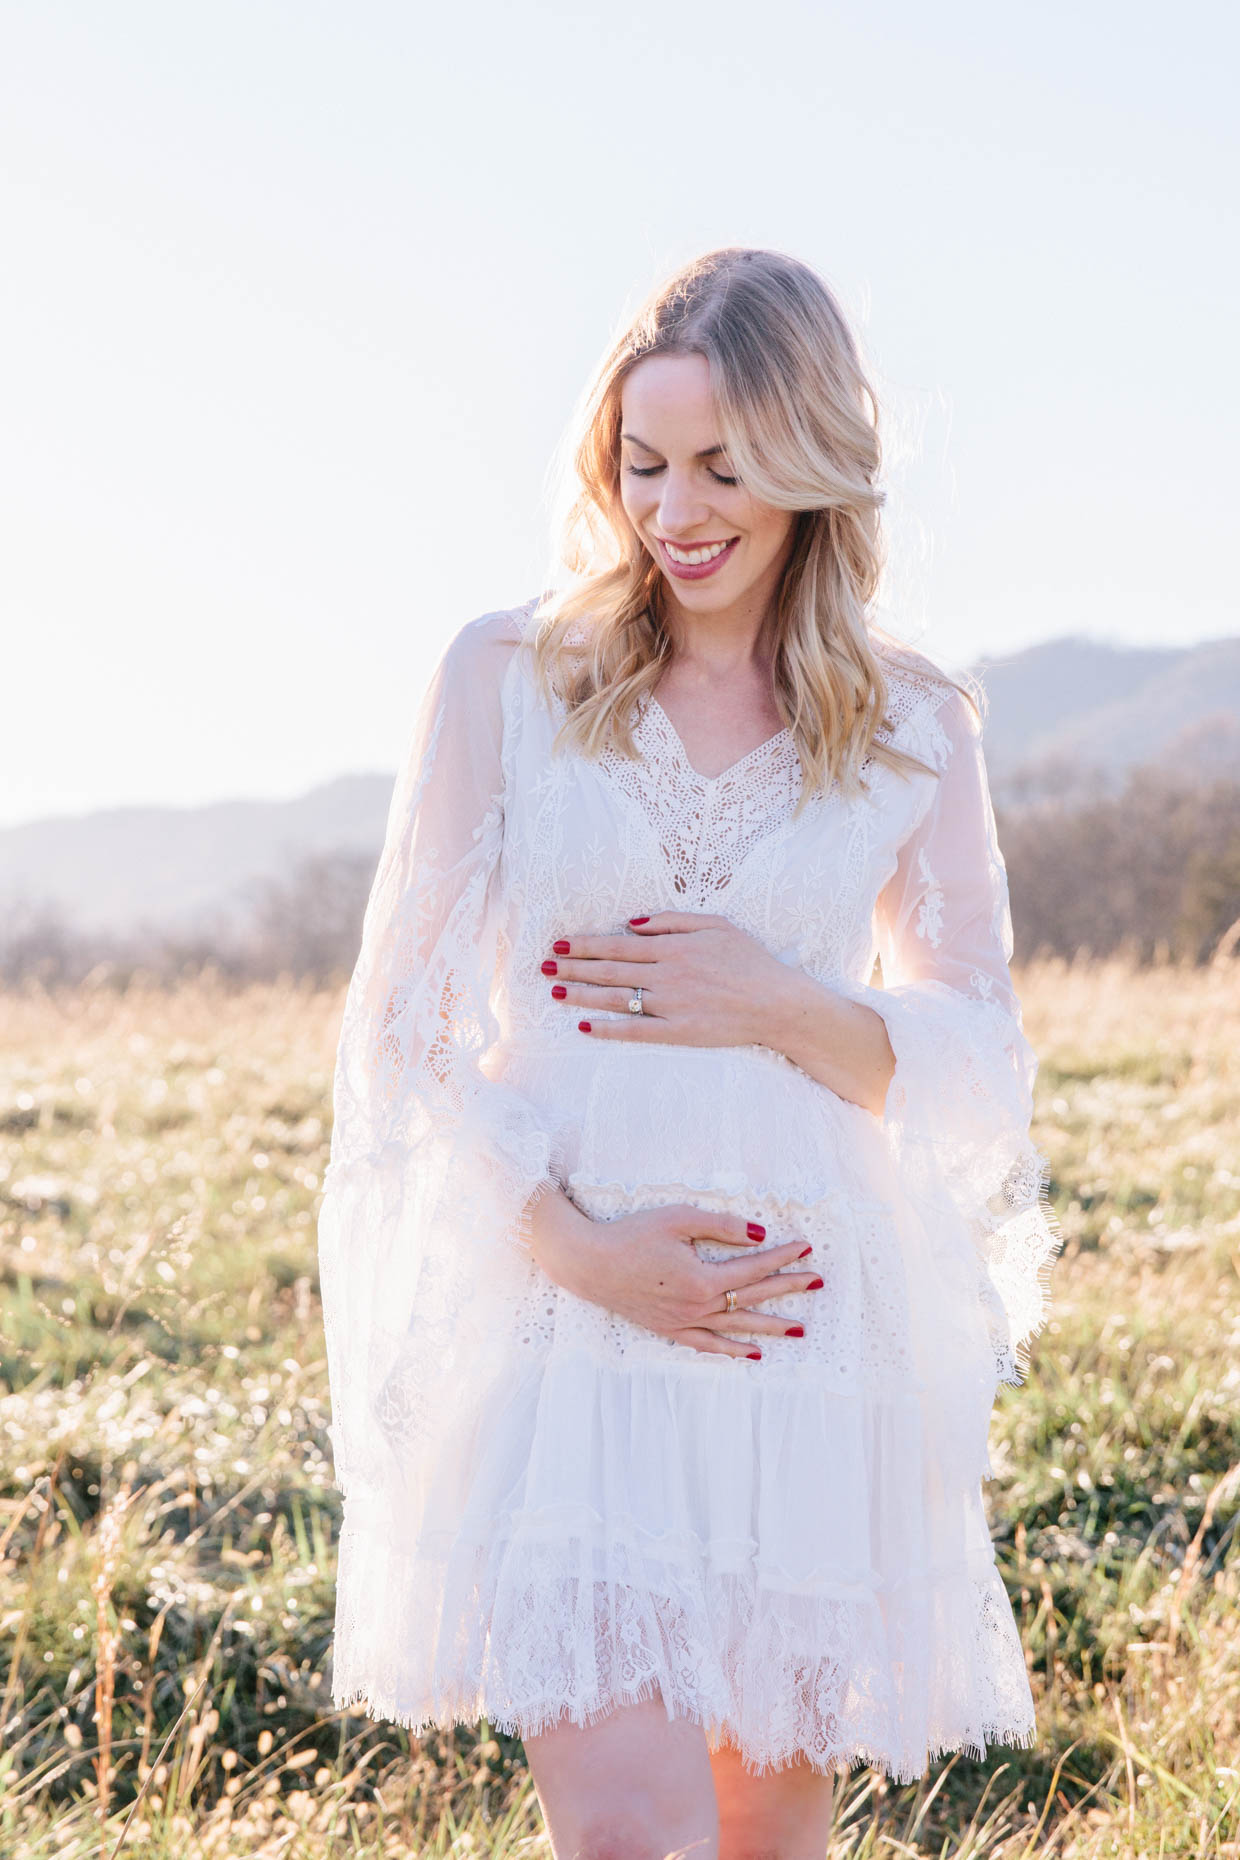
433 1165
960 1102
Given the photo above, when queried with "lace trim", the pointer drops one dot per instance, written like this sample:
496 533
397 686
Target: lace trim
706 826
528 1639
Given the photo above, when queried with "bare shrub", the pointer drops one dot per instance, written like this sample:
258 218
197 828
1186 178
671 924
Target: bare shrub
1154 868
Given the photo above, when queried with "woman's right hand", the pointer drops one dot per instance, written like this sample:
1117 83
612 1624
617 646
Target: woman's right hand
643 1266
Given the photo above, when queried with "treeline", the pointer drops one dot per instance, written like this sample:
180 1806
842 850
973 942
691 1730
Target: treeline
307 925
1152 872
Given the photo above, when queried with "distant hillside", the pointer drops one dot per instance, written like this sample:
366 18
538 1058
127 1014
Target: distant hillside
181 868
1073 716
1066 718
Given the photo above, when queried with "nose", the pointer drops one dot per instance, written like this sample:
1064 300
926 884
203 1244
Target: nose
681 507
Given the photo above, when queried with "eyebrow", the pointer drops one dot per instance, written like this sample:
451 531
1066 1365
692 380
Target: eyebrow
710 452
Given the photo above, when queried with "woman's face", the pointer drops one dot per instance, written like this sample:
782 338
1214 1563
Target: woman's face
682 498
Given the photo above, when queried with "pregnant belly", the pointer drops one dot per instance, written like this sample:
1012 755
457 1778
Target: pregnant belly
730 1120
742 1130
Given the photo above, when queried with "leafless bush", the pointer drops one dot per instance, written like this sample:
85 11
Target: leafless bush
1153 869
309 924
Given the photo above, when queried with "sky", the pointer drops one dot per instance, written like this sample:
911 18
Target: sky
299 299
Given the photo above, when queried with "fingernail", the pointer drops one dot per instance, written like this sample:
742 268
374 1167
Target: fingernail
558 992
756 1230
551 968
560 948
805 1252
583 1026
815 1285
639 920
755 1356
795 1330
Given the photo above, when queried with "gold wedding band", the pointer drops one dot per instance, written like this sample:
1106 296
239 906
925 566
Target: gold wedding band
731 1298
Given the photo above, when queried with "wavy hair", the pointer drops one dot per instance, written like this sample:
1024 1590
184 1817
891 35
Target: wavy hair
799 421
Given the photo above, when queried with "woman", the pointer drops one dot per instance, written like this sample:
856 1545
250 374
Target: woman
670 1266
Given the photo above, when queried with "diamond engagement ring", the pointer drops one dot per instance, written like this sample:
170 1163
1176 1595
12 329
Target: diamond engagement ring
635 1002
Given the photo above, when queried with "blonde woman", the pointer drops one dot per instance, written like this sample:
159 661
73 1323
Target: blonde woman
670 1265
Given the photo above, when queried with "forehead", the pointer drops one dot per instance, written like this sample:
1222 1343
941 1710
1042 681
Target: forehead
668 398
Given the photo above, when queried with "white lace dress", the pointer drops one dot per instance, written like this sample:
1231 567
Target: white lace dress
547 1509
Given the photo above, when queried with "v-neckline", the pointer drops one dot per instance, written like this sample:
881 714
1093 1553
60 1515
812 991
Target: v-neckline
732 768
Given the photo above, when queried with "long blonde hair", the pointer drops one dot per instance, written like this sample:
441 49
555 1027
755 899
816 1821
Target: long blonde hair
798 420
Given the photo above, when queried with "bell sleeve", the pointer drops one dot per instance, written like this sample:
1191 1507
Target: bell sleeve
434 1167
960 1102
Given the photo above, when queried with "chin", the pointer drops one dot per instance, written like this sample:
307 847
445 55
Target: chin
703 593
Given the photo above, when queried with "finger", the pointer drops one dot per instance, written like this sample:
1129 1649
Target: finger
780 1284
591 949
762 1259
637 1027
768 1264
605 974
662 921
752 1323
711 1345
583 995
732 1229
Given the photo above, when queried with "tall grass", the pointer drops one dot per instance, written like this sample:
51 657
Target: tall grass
167 1517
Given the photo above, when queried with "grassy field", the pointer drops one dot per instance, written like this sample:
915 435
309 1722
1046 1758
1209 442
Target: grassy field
167 1517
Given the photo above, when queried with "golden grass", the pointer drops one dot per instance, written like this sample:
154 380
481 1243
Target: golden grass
167 1516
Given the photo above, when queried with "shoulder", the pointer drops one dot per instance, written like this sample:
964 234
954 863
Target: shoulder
909 667
491 637
929 711
477 656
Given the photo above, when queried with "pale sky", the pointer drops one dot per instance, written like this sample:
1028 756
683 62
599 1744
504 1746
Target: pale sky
298 299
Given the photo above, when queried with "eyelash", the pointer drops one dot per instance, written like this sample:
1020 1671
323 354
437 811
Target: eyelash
648 471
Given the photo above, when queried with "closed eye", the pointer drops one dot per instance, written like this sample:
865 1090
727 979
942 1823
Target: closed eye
649 471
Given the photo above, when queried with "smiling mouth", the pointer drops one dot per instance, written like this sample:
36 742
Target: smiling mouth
696 555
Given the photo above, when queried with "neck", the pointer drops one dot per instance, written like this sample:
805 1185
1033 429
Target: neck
715 644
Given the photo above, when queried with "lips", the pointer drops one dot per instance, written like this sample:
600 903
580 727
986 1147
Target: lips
695 571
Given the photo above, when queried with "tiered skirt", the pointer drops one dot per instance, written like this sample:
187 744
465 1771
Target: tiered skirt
792 1552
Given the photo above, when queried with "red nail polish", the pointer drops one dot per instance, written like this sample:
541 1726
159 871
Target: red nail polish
639 920
559 991
755 1356
583 1026
815 1285
756 1231
795 1330
551 968
560 948
805 1252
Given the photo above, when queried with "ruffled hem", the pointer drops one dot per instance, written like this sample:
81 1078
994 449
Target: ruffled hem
806 1569
528 1634
836 1762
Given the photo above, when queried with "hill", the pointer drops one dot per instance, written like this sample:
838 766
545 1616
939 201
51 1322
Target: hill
1067 719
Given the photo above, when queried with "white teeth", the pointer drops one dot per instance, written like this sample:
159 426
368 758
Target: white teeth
692 558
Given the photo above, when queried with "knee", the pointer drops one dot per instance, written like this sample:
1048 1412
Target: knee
635 1832
779 1838
788 1830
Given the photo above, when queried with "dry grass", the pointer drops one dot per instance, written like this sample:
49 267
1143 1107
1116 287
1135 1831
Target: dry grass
167 1516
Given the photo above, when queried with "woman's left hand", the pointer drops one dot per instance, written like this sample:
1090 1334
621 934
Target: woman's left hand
704 982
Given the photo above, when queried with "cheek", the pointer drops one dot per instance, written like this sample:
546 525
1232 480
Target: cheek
635 500
771 533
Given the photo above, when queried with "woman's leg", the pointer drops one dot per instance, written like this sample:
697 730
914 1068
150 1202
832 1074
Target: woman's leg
634 1786
781 1815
